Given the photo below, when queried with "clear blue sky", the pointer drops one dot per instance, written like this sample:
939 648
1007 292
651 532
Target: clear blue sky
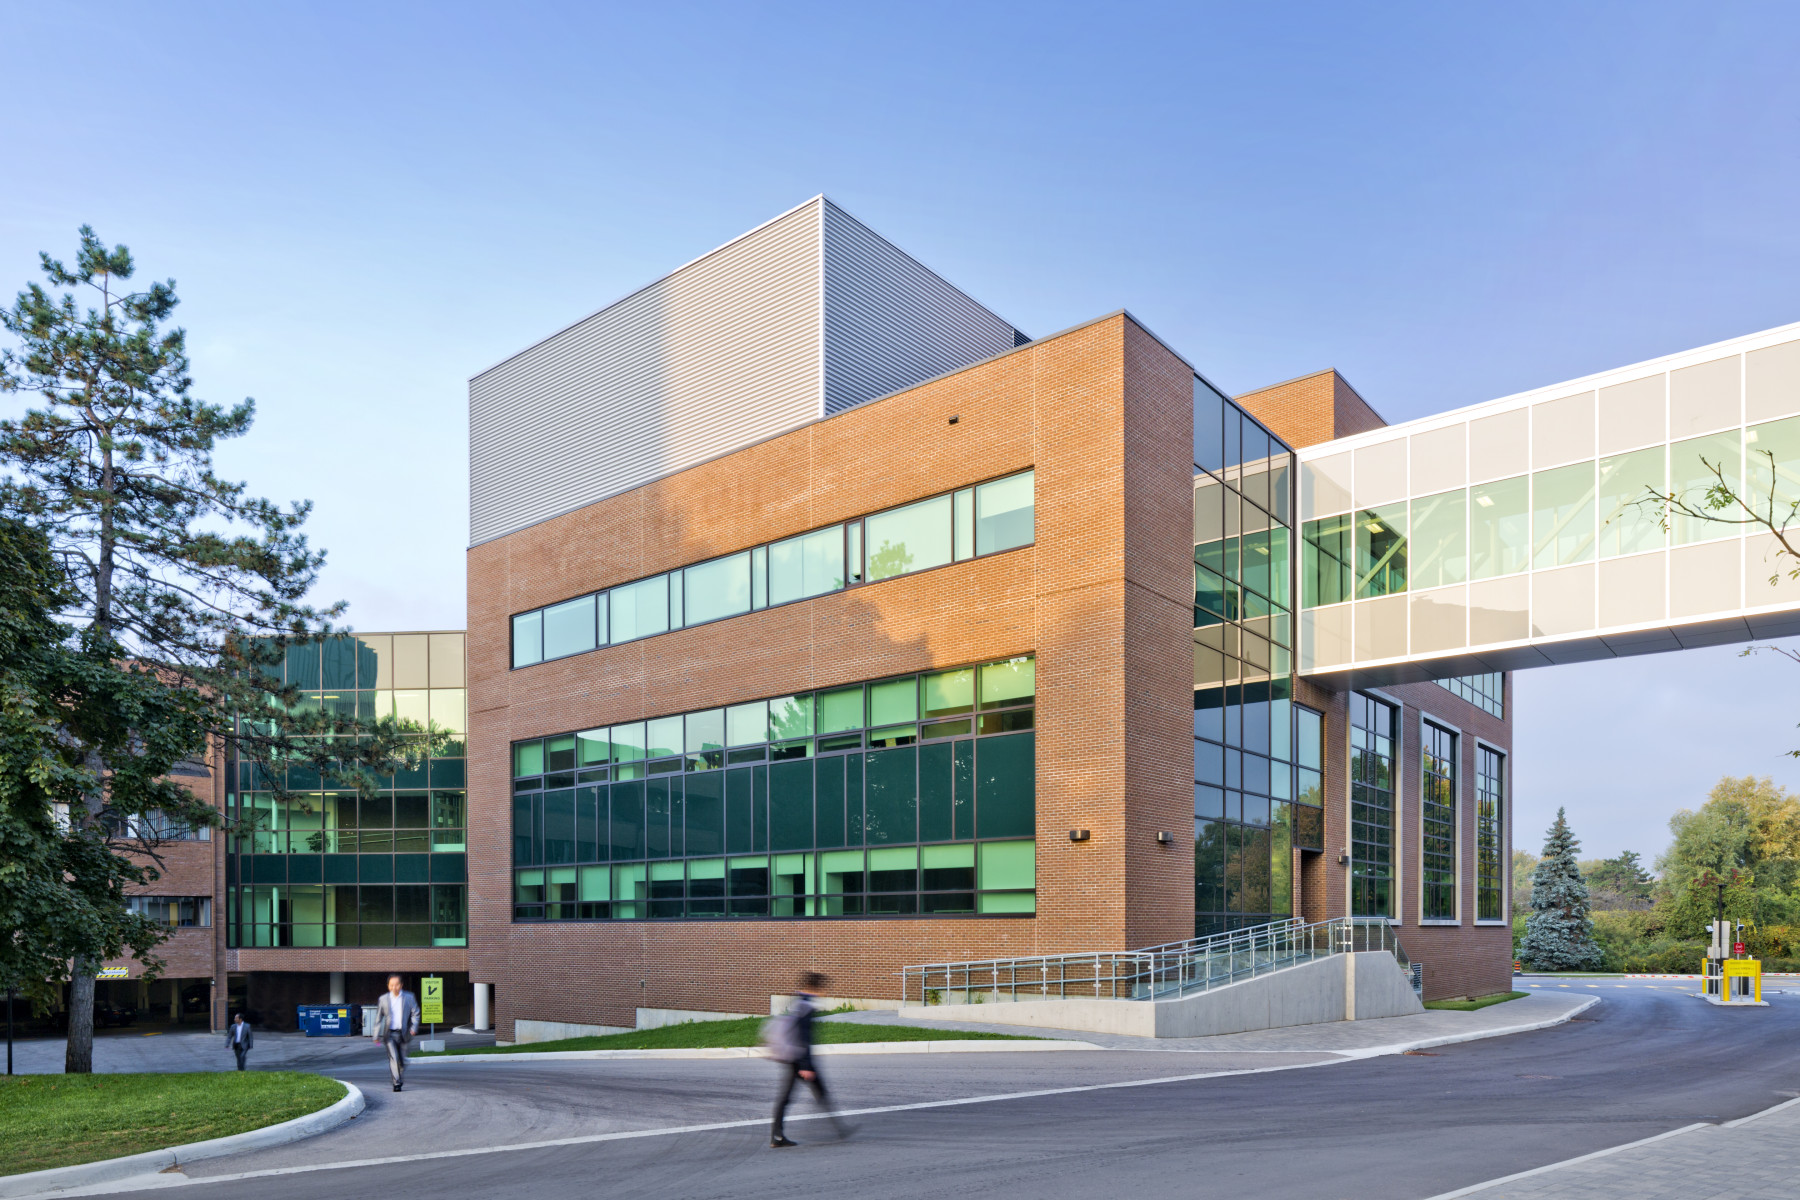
363 205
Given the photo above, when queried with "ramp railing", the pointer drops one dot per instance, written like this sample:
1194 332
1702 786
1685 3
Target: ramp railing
1154 973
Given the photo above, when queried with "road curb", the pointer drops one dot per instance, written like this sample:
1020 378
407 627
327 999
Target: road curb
59 1181
1474 1035
953 1045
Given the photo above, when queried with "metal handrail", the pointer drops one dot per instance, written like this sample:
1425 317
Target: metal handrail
1154 973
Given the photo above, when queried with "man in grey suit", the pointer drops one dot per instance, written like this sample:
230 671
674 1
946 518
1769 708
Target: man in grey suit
396 1023
240 1039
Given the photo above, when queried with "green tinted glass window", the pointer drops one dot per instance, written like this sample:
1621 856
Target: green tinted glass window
1381 556
663 737
1005 514
790 717
1439 541
893 701
1629 507
569 628
639 609
1008 681
1499 528
947 692
747 724
809 565
1006 786
1772 457
528 758
528 638
705 731
840 709
720 588
1562 516
909 539
1008 865
891 783
1695 467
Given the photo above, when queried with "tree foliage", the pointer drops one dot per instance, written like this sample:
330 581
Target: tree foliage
1559 936
1747 825
169 572
64 694
1618 883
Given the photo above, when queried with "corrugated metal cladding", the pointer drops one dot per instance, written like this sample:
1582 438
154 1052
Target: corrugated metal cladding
720 354
890 322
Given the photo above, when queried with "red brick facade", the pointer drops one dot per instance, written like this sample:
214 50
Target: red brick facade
1103 599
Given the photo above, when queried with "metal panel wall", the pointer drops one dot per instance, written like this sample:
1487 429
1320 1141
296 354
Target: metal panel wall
891 323
721 353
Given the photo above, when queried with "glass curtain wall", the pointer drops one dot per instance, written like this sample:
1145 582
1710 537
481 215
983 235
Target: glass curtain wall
1372 741
1490 841
1437 815
1257 755
899 797
323 867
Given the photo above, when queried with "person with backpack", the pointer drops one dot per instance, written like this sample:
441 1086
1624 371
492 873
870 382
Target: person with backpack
789 1039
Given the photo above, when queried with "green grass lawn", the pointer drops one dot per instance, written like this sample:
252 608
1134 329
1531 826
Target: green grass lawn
743 1031
1478 1003
59 1120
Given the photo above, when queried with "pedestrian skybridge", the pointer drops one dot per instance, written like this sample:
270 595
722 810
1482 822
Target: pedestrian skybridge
1524 531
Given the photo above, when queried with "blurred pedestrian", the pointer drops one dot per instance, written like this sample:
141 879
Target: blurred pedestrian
789 1039
396 1023
240 1038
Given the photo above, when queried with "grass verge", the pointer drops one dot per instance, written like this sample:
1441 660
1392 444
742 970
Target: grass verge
741 1031
1480 1002
60 1120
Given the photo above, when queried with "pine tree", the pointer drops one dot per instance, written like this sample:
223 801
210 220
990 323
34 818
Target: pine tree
171 573
1559 936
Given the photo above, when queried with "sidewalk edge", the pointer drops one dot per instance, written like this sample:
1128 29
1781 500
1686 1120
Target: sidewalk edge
1473 1035
953 1045
59 1181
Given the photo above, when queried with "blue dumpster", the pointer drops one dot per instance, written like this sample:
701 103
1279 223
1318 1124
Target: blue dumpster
325 1020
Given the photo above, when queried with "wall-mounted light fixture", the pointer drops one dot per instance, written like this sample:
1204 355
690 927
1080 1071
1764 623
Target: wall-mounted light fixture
1343 859
955 419
1078 835
1164 836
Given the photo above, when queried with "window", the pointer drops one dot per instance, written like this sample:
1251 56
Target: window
1486 692
720 588
985 519
1371 807
176 912
1562 516
909 539
1440 541
897 797
1499 541
1490 840
639 609
1381 551
809 565
1437 827
1005 517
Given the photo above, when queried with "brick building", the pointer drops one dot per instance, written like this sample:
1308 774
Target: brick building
800 665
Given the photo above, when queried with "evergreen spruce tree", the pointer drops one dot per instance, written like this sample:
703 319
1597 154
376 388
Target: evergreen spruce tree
1559 936
170 574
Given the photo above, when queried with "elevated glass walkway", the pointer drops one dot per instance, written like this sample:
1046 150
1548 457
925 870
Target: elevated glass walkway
1525 531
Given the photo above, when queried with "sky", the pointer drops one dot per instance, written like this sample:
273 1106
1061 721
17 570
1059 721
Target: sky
365 205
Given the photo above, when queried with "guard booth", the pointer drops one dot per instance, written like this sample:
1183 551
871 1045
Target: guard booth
1730 975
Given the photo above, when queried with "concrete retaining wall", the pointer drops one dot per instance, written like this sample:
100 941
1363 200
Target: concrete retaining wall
1308 994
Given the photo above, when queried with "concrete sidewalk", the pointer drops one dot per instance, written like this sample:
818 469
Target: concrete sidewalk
1754 1158
1350 1039
127 1051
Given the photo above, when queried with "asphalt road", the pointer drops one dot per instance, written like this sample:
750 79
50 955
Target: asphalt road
1649 1059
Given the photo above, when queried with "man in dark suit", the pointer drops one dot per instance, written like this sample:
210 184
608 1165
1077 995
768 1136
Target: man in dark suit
239 1037
396 1023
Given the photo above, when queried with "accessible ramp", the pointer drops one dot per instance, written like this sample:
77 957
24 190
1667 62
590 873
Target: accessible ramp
1265 977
